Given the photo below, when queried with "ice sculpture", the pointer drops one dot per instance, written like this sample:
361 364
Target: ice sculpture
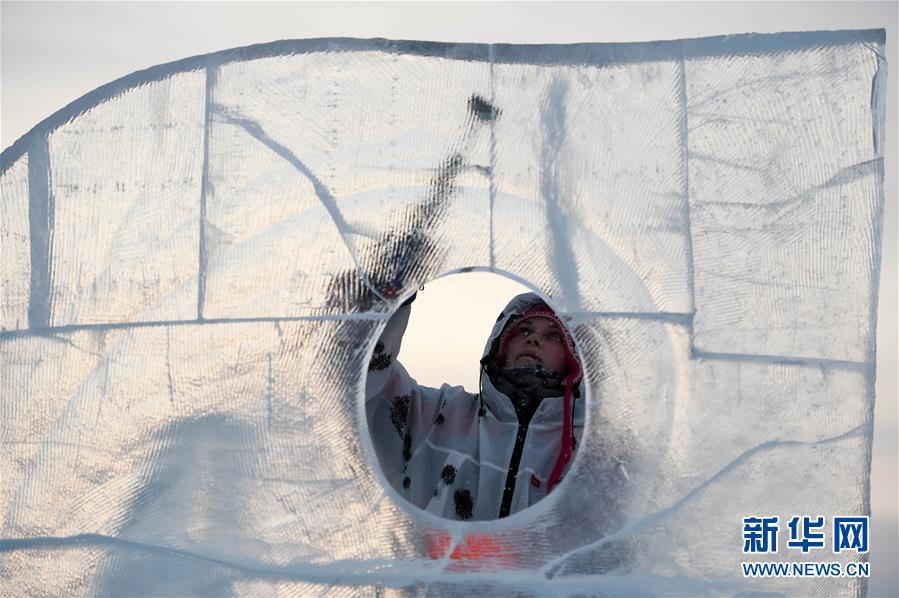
198 258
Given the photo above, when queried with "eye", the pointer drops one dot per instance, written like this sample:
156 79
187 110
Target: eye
524 331
554 336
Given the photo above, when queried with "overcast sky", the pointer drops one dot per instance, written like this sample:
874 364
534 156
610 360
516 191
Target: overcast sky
52 53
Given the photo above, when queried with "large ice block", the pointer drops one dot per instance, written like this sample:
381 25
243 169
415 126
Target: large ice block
197 260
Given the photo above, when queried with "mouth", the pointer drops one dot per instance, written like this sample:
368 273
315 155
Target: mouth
531 357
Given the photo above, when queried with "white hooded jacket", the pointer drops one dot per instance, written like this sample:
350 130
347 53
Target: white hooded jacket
450 452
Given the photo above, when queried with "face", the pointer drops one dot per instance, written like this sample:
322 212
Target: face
537 340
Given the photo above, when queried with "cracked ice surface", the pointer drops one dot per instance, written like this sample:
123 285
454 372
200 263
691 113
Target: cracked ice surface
198 258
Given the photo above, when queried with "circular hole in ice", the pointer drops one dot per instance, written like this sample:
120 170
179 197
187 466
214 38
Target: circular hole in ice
448 327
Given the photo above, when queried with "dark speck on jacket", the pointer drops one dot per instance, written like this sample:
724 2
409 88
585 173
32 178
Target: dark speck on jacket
407 446
379 360
448 474
399 410
464 504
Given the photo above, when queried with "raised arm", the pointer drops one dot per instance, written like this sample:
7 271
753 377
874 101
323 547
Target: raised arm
399 411
384 368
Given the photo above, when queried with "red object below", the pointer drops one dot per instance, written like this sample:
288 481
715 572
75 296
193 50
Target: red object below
476 551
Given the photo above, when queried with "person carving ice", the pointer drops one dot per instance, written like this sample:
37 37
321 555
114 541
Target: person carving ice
486 455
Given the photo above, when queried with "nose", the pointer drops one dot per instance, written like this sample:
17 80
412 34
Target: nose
532 340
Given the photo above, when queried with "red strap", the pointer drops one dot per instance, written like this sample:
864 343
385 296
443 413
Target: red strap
567 438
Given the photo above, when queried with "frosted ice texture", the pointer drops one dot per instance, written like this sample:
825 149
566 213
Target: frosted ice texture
198 258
